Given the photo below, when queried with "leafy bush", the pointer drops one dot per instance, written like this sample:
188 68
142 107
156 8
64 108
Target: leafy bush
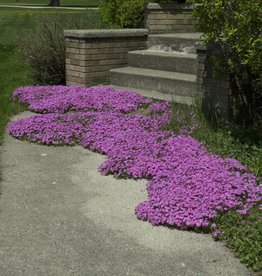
126 13
107 10
123 13
44 50
235 27
170 1
130 13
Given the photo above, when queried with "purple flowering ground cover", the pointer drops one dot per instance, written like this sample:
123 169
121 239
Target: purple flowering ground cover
187 185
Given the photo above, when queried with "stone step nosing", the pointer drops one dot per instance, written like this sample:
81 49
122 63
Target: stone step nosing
180 42
156 73
174 83
184 36
152 93
181 63
170 54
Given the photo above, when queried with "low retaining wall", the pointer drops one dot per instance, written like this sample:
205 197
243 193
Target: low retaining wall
90 54
170 17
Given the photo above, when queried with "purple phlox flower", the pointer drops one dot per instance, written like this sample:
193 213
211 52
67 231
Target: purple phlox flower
187 185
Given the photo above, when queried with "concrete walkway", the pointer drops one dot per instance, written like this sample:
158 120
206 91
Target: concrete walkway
45 7
59 216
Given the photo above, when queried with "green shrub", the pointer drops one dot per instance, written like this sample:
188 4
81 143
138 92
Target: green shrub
236 26
44 50
123 13
130 14
170 1
108 9
126 13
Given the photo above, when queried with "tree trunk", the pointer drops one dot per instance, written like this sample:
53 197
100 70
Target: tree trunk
54 3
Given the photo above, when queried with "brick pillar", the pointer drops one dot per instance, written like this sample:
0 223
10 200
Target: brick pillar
90 54
168 17
215 87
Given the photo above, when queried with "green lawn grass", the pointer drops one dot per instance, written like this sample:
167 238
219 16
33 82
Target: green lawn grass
13 71
13 74
73 3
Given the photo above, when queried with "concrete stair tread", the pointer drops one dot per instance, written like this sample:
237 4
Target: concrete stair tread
178 42
155 73
167 68
164 53
190 36
157 95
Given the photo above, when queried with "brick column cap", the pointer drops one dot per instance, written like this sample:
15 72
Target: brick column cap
106 33
169 6
200 46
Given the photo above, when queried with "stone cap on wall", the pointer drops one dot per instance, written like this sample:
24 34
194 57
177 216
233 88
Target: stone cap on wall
102 33
168 6
201 46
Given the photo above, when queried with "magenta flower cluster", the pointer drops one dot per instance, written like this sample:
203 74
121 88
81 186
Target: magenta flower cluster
187 186
60 99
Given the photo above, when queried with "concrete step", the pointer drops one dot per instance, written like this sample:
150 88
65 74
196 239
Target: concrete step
180 42
158 95
165 61
178 84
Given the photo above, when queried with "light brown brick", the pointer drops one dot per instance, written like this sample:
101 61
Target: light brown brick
112 61
70 44
174 16
199 80
109 56
72 73
101 68
77 80
72 50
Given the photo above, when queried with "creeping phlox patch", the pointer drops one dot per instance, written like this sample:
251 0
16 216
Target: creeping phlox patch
60 99
187 187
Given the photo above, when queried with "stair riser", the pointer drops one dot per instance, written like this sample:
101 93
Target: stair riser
173 64
178 44
175 87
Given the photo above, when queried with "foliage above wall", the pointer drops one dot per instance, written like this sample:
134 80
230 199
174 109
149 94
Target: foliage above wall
234 27
123 13
126 13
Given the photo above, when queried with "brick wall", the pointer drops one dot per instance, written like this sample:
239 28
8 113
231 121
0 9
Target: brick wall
90 54
171 17
215 87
